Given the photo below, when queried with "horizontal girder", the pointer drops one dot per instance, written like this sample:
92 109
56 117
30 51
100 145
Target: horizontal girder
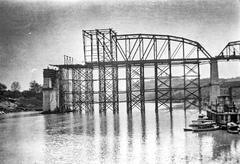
137 62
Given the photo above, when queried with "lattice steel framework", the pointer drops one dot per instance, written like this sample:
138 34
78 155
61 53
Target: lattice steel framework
192 87
106 51
135 87
82 89
163 87
77 89
103 49
162 51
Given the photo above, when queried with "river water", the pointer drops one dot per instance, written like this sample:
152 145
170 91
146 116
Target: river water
30 137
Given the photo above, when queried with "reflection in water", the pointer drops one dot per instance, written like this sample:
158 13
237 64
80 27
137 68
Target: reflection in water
103 139
107 138
172 146
185 119
79 123
90 133
157 127
130 136
143 122
221 151
22 138
171 125
116 145
90 129
103 124
144 138
200 148
116 124
130 126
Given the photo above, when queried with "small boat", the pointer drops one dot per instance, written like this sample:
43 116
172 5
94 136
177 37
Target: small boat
198 120
196 124
202 124
201 120
232 128
223 126
233 131
187 129
205 128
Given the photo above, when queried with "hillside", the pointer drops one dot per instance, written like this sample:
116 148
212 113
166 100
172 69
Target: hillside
179 83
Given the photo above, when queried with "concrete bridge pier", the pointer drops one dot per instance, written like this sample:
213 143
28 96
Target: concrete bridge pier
214 82
50 90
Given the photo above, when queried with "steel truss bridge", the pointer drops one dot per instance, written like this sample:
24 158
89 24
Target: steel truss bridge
142 58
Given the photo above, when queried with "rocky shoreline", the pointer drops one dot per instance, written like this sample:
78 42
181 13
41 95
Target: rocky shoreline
19 105
6 111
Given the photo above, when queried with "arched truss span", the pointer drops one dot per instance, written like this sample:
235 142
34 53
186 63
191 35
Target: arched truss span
107 46
230 51
156 47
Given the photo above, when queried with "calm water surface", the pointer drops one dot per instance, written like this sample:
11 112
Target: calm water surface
80 138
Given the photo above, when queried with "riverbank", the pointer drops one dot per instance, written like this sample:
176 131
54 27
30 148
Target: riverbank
10 105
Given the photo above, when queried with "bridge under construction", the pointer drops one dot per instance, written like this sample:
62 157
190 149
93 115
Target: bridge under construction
132 61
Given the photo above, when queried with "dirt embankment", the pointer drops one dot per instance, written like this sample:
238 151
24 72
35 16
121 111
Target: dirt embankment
8 105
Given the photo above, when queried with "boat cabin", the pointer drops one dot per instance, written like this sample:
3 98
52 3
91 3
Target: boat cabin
225 104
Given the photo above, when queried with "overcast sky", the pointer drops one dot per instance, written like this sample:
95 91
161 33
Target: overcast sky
36 33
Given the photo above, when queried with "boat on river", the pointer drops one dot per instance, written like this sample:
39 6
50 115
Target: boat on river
205 127
187 129
202 124
232 128
202 120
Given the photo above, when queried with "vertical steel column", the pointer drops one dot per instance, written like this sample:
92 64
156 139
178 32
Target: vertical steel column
84 46
156 87
170 75
73 89
155 76
89 97
199 83
102 89
82 89
113 48
184 78
115 97
92 47
142 89
110 90
129 88
101 72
